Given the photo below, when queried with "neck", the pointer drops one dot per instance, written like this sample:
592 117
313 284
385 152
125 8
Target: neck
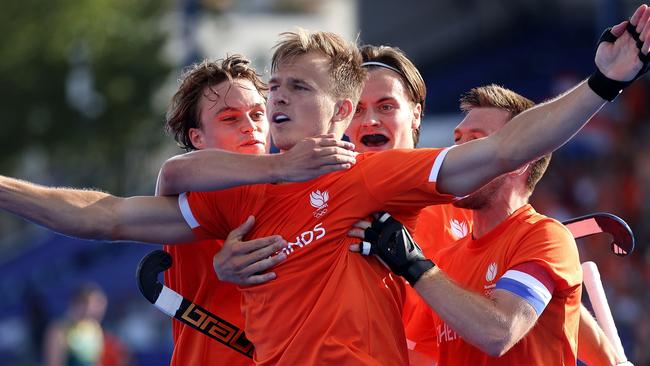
504 205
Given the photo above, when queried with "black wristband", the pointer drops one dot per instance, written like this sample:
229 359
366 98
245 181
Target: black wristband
605 87
417 269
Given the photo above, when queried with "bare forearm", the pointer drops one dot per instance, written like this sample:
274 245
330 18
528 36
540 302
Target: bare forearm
544 128
593 346
212 169
79 213
475 318
528 136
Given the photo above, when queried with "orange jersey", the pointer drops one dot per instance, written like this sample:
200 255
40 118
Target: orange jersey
441 226
437 227
192 276
327 305
525 237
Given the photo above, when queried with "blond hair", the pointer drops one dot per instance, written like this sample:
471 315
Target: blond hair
346 74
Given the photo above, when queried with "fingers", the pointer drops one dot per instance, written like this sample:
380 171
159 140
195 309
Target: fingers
242 230
260 249
331 140
636 17
260 266
259 279
643 20
362 224
619 29
356 233
355 248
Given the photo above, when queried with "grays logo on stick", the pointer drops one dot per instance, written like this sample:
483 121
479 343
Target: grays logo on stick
173 304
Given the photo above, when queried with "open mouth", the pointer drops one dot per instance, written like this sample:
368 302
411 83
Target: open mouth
280 118
374 140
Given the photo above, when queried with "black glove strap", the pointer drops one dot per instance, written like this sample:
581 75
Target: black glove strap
605 87
417 269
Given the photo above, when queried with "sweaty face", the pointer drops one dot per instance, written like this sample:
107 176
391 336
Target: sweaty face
385 116
233 118
479 123
300 102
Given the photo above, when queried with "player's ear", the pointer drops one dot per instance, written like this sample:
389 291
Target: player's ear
417 116
196 137
342 110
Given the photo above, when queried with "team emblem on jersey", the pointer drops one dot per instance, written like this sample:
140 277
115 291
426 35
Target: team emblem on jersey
491 272
318 200
458 228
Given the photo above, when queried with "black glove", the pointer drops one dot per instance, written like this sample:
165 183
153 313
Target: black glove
391 242
607 88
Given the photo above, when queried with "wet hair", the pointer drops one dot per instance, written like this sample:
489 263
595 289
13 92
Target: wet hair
183 113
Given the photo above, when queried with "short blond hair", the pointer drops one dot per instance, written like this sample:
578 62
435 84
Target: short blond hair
346 74
495 96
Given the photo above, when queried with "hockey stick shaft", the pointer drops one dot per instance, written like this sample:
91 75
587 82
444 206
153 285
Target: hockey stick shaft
598 300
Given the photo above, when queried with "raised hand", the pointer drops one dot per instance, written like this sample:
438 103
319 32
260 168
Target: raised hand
315 156
242 262
619 60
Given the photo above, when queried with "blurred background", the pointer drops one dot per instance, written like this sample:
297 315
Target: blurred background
85 87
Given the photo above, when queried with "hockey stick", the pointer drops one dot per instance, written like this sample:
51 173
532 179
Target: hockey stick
183 310
622 242
601 307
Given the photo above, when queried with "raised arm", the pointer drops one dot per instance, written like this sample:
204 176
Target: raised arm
213 169
95 215
544 128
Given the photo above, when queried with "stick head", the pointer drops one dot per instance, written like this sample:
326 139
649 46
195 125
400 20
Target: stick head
622 238
147 273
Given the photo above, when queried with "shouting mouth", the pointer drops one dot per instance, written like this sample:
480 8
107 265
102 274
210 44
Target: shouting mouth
374 140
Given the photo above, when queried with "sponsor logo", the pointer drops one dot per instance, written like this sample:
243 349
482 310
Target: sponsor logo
305 238
318 200
459 229
444 334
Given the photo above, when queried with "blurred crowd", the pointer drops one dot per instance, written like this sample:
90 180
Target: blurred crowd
607 168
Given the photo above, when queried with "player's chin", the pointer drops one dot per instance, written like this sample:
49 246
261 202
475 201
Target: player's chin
252 149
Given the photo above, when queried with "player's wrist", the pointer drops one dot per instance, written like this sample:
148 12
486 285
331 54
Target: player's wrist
605 87
417 269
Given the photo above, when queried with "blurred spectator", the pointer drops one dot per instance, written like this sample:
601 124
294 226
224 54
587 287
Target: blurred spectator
78 338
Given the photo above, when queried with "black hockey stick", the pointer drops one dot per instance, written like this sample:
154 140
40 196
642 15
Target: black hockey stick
183 310
622 242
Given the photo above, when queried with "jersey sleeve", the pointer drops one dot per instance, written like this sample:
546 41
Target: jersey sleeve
211 215
549 247
404 177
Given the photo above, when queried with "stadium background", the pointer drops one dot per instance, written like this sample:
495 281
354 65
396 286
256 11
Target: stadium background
85 86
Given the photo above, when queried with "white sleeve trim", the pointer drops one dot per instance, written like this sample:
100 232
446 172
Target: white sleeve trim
187 211
437 164
168 301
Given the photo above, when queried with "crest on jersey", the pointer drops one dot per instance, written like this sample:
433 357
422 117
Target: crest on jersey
458 228
318 200
491 272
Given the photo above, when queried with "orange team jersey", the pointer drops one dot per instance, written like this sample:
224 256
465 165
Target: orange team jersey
437 227
192 276
525 240
327 304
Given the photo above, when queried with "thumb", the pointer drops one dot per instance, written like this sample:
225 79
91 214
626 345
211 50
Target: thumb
619 29
243 229
355 248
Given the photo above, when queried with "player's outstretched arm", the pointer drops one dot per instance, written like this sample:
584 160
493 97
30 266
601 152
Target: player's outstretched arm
212 169
93 214
544 128
593 346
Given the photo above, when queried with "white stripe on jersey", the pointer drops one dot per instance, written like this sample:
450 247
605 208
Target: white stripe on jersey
187 211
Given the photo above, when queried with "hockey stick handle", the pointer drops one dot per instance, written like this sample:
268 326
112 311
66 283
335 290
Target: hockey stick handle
598 300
